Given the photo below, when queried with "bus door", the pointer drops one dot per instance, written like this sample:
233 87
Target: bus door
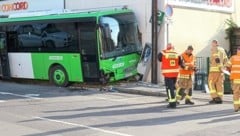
89 51
4 64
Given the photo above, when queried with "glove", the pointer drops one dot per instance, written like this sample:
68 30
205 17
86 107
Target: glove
183 66
217 60
195 69
228 69
188 68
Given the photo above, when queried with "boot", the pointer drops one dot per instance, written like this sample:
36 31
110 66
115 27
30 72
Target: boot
218 100
236 108
172 105
188 101
213 101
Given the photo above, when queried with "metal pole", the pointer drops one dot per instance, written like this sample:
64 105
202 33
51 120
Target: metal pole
64 4
154 41
167 33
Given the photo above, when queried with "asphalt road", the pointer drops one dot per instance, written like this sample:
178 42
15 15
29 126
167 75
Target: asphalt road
44 110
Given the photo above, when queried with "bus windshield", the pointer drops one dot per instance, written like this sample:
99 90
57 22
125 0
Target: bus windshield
120 35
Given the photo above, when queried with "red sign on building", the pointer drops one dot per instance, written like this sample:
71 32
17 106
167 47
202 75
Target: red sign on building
14 6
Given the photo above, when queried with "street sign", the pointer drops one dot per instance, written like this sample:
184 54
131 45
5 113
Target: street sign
160 16
168 10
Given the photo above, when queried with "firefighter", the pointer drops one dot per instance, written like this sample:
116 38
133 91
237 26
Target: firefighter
234 68
218 60
170 69
184 83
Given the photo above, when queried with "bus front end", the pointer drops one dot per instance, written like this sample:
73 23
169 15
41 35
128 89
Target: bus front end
120 46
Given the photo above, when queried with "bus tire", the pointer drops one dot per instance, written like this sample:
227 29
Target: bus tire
58 76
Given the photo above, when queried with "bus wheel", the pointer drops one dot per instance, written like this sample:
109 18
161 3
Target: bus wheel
58 76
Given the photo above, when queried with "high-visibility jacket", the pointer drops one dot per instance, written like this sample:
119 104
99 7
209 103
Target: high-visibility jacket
189 62
235 68
218 54
170 63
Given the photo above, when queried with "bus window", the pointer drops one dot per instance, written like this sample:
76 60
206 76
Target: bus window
51 37
120 35
111 31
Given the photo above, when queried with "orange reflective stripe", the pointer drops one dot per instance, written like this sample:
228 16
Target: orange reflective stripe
235 66
235 71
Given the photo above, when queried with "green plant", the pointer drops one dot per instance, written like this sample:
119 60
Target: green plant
231 27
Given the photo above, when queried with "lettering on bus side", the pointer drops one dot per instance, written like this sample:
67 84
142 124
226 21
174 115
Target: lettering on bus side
132 61
118 65
55 57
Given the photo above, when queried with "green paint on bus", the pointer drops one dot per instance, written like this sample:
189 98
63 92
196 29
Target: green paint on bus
42 63
120 67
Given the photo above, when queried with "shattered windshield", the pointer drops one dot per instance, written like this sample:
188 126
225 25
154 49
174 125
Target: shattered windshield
120 35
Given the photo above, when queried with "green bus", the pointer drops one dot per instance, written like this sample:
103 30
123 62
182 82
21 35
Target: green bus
94 46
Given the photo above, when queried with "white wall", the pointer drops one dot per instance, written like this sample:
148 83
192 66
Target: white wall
199 28
236 16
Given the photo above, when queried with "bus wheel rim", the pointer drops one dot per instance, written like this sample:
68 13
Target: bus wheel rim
59 77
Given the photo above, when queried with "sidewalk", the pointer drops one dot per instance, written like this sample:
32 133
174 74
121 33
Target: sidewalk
159 90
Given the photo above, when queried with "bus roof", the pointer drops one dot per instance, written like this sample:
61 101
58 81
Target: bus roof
65 15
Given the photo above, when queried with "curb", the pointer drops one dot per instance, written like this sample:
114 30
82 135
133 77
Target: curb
140 92
160 93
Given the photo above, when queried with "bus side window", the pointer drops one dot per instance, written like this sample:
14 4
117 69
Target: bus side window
87 38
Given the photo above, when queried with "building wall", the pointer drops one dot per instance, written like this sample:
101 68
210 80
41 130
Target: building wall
198 28
236 15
